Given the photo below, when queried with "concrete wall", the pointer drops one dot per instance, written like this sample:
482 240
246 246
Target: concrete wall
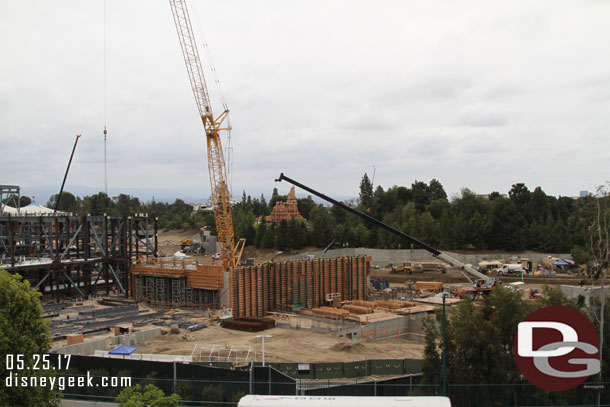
573 291
382 257
146 356
136 337
85 348
224 293
406 327
319 324
211 245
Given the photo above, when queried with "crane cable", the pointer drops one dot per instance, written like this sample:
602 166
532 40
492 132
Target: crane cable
228 147
209 56
105 129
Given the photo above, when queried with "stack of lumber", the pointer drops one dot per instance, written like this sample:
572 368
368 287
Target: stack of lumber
355 309
428 285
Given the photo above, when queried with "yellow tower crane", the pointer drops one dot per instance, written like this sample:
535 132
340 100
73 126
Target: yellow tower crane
221 197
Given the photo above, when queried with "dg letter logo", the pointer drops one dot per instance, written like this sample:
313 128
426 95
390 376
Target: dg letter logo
557 348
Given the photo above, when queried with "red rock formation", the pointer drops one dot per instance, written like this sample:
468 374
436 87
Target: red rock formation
284 210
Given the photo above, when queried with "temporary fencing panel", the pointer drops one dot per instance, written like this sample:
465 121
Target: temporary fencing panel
387 367
355 369
328 370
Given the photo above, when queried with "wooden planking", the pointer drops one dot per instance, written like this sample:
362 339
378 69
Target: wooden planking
278 286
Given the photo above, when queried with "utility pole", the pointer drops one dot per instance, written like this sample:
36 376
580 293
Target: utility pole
263 338
444 352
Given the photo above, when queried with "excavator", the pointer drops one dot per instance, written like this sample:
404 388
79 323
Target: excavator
230 253
482 284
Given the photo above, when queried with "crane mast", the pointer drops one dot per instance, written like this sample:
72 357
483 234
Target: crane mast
221 197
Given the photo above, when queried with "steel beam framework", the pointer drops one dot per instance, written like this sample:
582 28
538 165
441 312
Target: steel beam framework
68 255
12 194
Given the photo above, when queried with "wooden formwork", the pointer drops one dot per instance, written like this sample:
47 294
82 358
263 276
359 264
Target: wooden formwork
197 275
256 290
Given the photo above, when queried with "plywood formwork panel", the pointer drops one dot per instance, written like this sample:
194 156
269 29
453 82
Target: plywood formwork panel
302 284
259 292
247 294
242 297
308 285
326 273
266 287
232 290
278 286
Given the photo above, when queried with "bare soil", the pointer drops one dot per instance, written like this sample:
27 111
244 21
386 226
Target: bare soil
287 345
169 243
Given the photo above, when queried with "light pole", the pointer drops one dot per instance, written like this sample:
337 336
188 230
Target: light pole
444 368
263 339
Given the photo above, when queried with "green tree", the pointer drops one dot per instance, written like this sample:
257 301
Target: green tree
436 190
125 205
149 396
69 202
479 340
282 239
297 233
97 204
322 225
214 394
23 332
11 200
366 192
260 232
420 195
268 238
519 194
305 205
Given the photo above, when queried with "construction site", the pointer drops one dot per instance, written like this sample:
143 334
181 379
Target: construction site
121 293
350 293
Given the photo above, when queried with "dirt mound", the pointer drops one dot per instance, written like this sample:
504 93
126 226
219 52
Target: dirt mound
348 347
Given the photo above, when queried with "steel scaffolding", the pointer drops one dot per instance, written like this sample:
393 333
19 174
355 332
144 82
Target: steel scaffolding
59 254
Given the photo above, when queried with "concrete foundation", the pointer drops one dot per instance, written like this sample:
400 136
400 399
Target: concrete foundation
137 337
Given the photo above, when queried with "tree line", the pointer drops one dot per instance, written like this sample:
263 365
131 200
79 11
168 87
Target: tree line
519 220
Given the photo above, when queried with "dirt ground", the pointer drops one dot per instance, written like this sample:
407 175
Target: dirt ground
291 345
169 243
454 276
287 345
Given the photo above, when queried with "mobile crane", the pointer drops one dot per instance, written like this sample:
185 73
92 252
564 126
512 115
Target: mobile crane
221 197
482 284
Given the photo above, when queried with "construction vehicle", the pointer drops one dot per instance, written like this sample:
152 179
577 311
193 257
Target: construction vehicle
190 247
508 269
405 268
535 294
221 197
482 284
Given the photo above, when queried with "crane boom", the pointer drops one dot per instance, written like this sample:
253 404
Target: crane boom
466 269
221 197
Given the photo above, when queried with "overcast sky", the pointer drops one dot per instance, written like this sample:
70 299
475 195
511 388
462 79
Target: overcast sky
477 94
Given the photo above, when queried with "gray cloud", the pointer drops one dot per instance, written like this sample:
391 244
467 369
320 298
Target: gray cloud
479 96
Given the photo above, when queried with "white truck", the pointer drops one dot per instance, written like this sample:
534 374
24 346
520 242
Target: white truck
508 269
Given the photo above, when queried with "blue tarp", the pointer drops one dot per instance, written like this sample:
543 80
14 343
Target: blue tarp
122 350
561 263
